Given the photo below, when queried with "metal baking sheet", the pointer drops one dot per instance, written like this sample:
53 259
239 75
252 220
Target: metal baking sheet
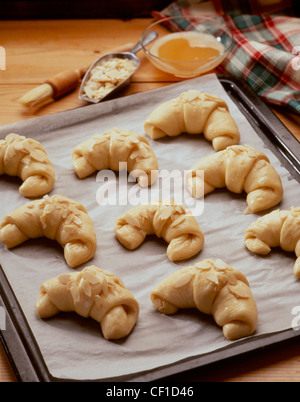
18 339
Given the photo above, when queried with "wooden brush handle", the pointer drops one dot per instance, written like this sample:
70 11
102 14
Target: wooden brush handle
65 81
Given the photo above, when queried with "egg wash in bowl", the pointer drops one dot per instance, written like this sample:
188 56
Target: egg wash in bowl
187 46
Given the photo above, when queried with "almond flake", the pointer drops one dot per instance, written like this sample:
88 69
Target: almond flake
132 220
239 291
191 95
98 301
43 220
18 146
75 293
179 208
212 276
105 288
144 151
182 280
165 212
134 140
86 287
219 264
204 265
179 220
77 220
90 276
101 277
38 155
231 279
136 154
64 278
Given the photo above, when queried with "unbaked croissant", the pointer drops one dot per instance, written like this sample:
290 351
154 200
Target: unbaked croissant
215 288
239 168
58 218
174 223
27 159
94 293
115 147
280 228
194 112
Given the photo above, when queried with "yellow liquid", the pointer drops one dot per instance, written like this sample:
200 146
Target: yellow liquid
187 53
179 49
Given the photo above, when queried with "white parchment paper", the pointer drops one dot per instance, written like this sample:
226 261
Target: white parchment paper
73 347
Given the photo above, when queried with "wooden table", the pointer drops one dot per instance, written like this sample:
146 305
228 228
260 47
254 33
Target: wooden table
35 51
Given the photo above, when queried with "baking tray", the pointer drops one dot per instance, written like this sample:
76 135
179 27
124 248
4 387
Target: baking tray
17 338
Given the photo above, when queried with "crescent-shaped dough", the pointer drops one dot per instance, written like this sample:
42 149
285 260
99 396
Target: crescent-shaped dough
238 168
114 148
94 293
194 112
27 159
58 218
212 287
174 223
280 228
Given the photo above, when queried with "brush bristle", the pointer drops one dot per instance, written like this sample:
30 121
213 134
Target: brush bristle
37 95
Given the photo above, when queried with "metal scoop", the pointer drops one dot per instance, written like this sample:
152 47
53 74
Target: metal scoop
124 55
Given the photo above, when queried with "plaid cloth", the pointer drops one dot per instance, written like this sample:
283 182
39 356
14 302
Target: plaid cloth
266 52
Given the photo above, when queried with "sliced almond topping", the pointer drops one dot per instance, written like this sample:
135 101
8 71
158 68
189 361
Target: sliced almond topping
38 155
90 276
86 287
64 278
144 151
77 220
132 220
43 220
205 265
135 155
105 287
239 291
179 220
219 264
26 160
182 280
75 293
165 212
134 140
213 276
231 279
98 301
191 95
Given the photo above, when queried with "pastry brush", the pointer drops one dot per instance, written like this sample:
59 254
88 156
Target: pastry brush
60 84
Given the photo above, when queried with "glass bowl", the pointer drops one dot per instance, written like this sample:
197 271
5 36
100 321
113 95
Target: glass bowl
188 47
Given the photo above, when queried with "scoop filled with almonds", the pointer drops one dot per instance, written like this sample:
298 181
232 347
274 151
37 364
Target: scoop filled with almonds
111 73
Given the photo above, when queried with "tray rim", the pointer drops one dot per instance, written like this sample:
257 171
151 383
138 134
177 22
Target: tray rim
18 340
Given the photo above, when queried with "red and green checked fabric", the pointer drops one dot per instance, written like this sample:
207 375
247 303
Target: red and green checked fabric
266 52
